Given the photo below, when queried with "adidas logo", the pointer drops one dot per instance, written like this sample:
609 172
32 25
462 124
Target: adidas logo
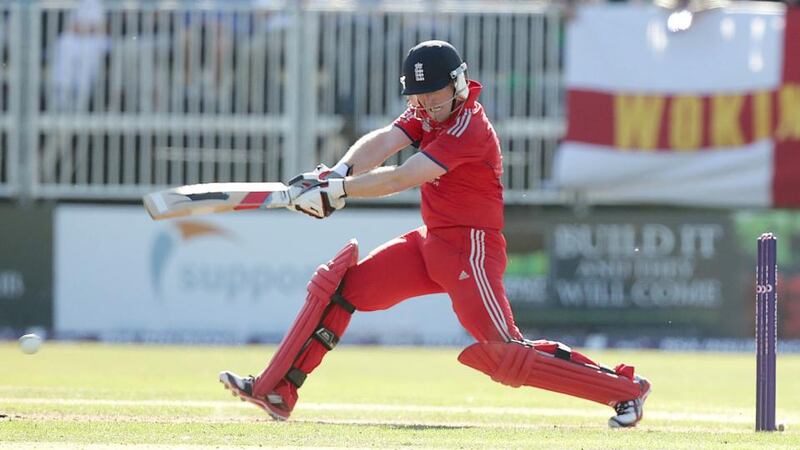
464 275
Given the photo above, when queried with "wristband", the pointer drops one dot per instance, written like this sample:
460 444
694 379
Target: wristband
336 188
342 169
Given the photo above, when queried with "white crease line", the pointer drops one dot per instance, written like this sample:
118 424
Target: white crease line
734 416
71 446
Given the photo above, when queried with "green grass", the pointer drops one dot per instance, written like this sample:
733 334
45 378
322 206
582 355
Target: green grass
101 396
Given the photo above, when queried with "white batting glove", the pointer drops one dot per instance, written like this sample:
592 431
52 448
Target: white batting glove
319 198
317 193
320 172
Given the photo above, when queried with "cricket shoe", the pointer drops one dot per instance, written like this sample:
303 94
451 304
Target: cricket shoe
242 387
630 412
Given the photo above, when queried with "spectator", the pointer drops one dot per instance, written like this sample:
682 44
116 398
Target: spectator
78 57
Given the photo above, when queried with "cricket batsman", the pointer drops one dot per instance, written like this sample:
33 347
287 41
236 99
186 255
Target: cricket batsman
459 250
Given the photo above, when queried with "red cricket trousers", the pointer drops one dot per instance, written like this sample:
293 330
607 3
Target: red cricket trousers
466 263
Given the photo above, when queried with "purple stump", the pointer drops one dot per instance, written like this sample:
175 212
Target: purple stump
766 331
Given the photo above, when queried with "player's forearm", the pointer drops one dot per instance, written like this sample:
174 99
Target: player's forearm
370 151
380 182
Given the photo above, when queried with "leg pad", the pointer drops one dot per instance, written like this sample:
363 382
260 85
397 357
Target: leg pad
552 366
317 329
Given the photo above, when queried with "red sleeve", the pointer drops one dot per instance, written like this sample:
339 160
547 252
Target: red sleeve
410 125
450 151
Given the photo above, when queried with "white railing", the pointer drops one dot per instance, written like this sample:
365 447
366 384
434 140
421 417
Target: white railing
123 97
165 93
11 47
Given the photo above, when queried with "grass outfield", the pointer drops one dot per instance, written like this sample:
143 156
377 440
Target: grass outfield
152 397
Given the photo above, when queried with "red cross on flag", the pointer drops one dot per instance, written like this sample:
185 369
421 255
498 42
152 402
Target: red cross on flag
708 116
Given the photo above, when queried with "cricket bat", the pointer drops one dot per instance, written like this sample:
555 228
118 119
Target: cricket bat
209 198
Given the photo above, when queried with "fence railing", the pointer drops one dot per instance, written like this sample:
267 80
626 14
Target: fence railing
118 98
10 102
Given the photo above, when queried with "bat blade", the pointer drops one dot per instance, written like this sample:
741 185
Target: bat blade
209 198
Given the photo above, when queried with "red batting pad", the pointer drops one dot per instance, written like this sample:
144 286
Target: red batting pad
515 364
320 289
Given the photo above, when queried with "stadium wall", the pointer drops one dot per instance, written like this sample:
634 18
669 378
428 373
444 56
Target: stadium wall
25 267
616 276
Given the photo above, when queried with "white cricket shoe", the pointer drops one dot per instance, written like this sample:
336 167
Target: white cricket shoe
630 412
242 387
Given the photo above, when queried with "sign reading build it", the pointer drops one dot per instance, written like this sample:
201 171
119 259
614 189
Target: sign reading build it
624 270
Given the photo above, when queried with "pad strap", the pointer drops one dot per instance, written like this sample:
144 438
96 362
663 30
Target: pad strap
296 376
341 301
326 337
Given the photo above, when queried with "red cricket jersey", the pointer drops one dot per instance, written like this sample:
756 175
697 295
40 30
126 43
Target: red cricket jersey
470 194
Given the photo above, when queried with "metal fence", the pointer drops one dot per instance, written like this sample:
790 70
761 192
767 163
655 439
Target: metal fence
118 98
10 113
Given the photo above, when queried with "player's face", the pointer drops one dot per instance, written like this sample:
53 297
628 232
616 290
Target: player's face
437 104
